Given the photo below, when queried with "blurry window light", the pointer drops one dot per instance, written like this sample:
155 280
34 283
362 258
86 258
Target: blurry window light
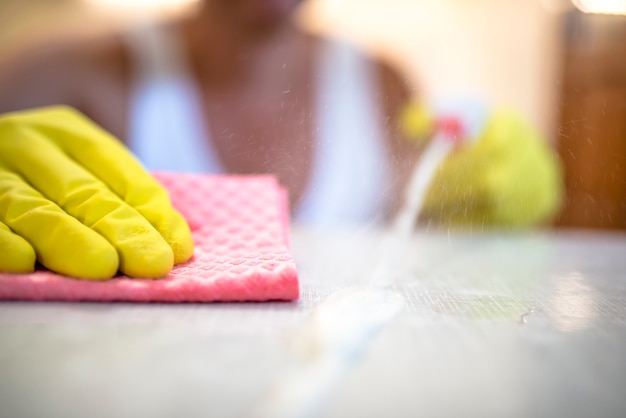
613 7
140 5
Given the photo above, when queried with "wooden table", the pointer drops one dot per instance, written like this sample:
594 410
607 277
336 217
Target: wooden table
492 325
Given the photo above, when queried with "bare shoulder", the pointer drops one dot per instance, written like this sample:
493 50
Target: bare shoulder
395 92
58 70
396 89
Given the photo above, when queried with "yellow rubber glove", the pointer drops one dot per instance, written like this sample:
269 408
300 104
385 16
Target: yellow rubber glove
74 196
417 122
507 177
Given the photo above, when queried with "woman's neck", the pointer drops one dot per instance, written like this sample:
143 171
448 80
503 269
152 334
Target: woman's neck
224 50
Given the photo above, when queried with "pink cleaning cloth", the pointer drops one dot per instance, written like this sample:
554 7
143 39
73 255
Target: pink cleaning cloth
240 227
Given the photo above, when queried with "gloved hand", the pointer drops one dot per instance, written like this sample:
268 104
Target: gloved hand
72 195
507 176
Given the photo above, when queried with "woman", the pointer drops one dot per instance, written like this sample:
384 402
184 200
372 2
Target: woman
238 88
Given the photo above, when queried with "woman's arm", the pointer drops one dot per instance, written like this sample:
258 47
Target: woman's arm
396 94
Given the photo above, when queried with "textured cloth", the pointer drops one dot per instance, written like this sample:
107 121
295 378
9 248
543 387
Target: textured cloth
240 229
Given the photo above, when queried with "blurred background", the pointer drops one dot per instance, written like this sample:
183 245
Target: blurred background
561 63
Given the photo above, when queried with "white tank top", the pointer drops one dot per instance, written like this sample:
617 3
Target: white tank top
350 178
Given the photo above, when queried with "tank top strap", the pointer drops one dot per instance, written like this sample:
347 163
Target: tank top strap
351 171
167 130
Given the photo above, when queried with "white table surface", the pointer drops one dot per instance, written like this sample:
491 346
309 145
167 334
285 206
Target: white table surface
493 325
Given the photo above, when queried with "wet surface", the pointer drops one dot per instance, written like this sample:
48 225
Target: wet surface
492 325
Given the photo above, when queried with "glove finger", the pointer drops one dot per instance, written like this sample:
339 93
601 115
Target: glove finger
61 242
16 254
107 159
142 250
